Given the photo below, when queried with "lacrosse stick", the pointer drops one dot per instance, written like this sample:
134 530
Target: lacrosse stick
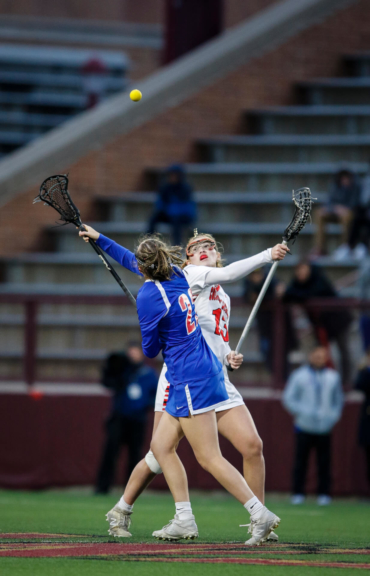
54 193
303 203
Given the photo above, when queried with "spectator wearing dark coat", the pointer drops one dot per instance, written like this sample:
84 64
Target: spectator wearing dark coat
359 239
344 199
362 383
175 204
265 318
310 282
134 387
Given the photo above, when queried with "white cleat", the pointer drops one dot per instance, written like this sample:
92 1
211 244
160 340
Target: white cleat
119 522
178 529
272 537
261 529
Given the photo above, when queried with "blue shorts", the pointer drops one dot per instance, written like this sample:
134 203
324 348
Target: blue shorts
197 397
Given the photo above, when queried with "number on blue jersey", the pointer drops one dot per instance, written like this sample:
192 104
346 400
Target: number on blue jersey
185 305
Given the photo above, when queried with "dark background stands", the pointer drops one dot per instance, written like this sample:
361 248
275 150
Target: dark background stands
310 282
265 318
134 387
344 199
362 383
175 204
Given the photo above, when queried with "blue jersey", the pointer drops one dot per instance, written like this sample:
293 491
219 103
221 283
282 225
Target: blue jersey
169 324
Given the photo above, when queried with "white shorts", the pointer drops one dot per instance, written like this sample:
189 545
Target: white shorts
235 398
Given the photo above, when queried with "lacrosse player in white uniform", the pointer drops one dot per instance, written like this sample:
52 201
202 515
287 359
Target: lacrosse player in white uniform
204 272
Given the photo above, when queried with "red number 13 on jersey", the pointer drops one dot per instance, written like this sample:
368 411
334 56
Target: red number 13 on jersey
221 330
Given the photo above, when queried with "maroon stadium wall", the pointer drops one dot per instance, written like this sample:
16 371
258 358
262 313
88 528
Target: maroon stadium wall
57 441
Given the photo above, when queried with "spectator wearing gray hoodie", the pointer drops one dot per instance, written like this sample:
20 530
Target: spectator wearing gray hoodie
314 397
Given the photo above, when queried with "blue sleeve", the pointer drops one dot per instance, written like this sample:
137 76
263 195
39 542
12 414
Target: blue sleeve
151 309
120 254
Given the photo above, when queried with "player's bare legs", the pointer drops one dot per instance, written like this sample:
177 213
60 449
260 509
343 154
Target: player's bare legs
238 427
141 475
166 440
201 432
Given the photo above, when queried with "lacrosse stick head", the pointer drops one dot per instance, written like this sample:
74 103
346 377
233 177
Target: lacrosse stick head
303 201
54 193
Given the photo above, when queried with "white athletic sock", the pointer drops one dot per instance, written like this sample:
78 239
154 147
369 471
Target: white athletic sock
254 507
183 510
124 506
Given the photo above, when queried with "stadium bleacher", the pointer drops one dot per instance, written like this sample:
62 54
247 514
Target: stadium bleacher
241 185
41 87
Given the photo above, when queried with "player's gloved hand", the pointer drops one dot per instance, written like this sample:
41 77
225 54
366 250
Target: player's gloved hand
89 233
234 360
279 251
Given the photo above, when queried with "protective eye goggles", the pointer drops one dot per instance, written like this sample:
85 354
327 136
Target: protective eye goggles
200 245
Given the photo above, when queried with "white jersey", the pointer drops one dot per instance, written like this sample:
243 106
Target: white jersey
212 306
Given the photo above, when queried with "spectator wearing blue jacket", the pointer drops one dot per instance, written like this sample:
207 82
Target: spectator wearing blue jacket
314 397
134 386
175 204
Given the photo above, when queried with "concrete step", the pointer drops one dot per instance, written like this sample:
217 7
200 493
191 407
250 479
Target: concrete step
286 148
219 206
83 274
236 237
65 82
10 140
309 120
67 269
261 177
43 101
358 64
352 91
29 121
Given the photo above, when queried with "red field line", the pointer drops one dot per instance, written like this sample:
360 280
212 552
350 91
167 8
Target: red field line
176 553
260 561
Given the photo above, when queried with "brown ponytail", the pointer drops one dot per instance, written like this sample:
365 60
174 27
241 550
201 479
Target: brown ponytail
155 257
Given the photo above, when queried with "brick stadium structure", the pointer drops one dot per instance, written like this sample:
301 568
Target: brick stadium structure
266 81
144 12
42 432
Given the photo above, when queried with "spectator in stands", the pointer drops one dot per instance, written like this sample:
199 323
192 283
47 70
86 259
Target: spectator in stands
134 386
313 396
94 79
175 204
265 318
310 282
344 198
362 383
359 239
363 290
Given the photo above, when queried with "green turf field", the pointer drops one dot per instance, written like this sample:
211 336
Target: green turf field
309 535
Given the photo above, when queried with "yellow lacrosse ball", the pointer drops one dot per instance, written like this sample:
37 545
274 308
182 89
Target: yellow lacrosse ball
135 95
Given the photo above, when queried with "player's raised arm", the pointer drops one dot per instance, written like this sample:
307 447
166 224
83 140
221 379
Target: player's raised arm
242 268
120 254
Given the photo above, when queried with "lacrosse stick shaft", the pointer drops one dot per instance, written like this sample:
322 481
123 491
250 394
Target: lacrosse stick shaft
101 255
258 303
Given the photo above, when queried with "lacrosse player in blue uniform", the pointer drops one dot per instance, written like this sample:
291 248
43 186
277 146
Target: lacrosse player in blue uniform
169 324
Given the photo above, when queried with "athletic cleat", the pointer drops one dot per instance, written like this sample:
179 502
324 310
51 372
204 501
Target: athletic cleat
262 528
272 537
178 529
119 522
